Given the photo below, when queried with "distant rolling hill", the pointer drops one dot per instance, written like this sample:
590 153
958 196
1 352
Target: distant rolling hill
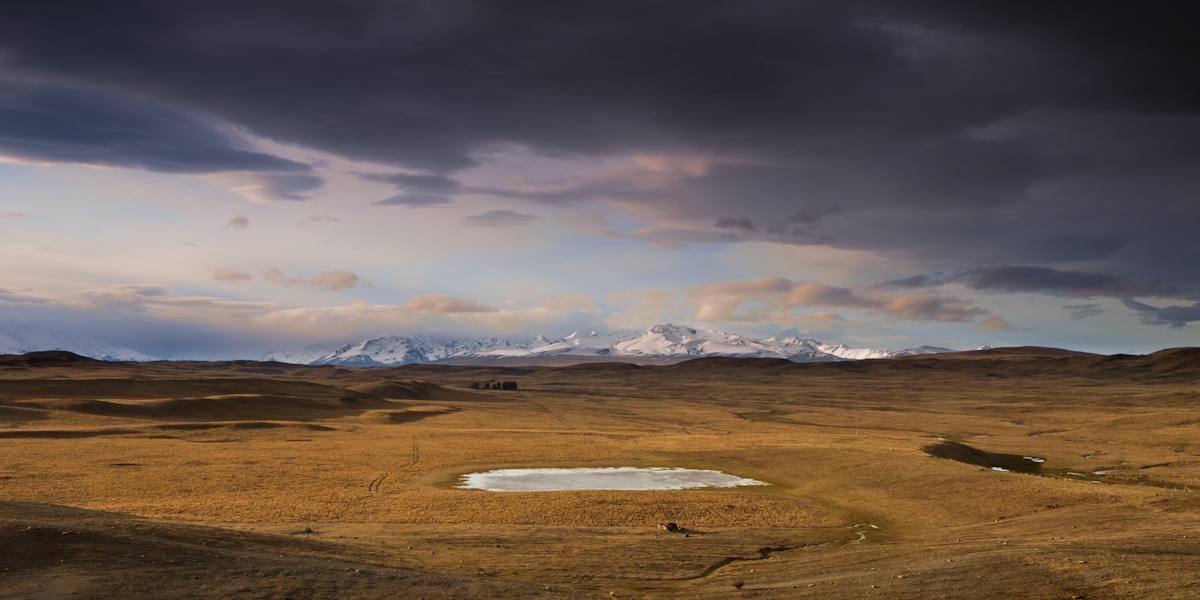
1015 353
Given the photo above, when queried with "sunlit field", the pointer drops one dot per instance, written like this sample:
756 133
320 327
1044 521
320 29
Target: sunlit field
897 479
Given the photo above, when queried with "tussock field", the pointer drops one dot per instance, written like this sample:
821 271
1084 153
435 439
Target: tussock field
907 478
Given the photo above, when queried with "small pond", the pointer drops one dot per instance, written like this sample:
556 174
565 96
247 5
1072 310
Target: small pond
608 478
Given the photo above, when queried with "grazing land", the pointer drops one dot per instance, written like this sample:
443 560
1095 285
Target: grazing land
906 478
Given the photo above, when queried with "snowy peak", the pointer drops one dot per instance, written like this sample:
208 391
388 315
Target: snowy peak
20 339
679 341
670 329
845 352
539 341
660 341
295 357
395 350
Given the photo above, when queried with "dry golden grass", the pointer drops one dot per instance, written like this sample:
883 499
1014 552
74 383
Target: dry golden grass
369 459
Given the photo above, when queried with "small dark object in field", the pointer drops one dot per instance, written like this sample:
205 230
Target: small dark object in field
308 530
672 527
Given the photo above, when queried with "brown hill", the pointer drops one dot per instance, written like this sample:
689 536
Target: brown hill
415 390
238 407
1172 360
396 417
234 407
718 363
130 388
1027 361
50 358
193 399
1017 353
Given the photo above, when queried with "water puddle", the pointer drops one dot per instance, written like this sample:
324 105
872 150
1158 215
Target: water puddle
862 534
1030 465
608 478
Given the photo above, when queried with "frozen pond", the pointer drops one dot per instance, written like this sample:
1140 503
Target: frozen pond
610 478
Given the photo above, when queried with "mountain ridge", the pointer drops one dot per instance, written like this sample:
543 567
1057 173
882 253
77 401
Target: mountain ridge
660 342
21 339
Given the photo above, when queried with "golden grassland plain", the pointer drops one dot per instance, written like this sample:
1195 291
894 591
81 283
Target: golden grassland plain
270 480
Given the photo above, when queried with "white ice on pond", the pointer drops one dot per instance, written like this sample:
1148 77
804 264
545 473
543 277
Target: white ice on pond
608 478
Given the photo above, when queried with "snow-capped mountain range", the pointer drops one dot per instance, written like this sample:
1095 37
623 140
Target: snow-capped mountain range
20 339
389 350
660 341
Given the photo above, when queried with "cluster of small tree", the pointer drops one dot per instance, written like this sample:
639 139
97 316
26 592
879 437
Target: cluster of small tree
494 385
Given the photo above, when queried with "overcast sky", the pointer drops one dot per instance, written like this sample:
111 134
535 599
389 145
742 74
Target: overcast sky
217 179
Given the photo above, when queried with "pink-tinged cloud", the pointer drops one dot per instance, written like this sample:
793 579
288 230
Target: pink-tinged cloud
823 316
571 303
720 301
337 280
230 275
944 309
994 323
441 304
238 223
274 276
638 309
659 299
327 280
807 295
124 298
428 311
156 300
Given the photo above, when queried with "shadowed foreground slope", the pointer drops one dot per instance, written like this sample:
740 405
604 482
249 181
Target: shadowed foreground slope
53 552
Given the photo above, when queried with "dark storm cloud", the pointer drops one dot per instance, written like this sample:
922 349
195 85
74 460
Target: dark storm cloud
972 133
1170 316
425 83
1044 280
809 215
909 283
57 124
1083 311
742 223
1040 280
434 184
417 190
